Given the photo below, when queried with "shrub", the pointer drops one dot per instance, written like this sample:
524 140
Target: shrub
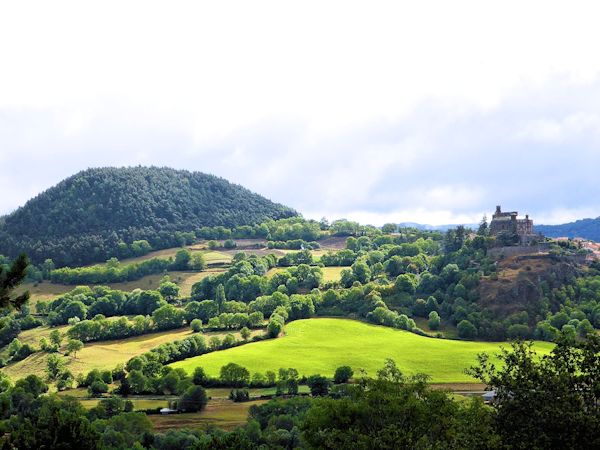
196 325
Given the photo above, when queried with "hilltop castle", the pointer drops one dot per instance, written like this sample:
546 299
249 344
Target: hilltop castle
508 222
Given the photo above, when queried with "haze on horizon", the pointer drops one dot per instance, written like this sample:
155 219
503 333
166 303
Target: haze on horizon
431 112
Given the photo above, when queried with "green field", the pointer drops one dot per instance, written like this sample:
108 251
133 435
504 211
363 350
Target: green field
321 345
329 273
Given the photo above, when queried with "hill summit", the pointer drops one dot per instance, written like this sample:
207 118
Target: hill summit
86 216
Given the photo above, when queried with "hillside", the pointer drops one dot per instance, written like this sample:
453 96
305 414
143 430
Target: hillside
321 345
85 217
584 228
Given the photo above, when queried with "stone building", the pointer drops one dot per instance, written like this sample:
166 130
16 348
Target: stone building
508 222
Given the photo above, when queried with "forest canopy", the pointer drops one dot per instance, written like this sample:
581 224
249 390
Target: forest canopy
99 213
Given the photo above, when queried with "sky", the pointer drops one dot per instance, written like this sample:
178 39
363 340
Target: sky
430 112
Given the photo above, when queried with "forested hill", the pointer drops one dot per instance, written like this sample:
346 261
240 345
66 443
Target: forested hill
90 215
585 228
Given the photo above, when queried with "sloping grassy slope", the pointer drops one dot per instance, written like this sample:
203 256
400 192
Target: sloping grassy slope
321 345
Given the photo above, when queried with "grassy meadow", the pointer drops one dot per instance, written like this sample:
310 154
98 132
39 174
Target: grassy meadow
321 345
329 273
99 355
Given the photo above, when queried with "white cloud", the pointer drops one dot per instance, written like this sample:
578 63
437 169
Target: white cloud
430 111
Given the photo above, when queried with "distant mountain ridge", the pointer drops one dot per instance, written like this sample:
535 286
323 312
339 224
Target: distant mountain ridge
583 228
85 217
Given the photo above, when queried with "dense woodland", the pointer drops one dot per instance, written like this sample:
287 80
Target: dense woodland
395 277
98 213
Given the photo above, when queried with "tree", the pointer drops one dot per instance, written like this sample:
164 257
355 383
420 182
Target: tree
245 333
545 402
194 399
466 329
275 325
319 385
342 374
389 228
53 423
47 267
56 337
197 262
169 290
229 244
234 375
10 278
196 325
434 320
97 388
406 283
54 366
182 259
199 377
73 346
220 298
168 317
483 229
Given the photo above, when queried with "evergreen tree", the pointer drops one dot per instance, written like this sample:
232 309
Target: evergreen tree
10 278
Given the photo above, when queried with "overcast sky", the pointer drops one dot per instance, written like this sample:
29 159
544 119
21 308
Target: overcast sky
430 112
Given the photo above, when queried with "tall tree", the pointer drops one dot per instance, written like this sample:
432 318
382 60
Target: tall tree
10 278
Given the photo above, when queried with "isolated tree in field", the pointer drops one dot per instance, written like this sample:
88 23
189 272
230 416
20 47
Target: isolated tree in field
342 374
10 278
234 375
73 346
434 320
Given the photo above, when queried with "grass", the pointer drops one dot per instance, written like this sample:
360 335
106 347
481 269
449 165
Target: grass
221 413
329 273
321 345
332 273
99 355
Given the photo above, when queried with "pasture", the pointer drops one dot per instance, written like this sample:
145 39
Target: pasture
103 355
321 345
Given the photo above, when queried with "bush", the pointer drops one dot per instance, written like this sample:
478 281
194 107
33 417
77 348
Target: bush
196 325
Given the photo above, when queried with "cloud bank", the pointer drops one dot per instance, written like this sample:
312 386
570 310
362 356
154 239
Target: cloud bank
432 114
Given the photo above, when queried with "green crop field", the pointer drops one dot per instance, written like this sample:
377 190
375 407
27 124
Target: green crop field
321 345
